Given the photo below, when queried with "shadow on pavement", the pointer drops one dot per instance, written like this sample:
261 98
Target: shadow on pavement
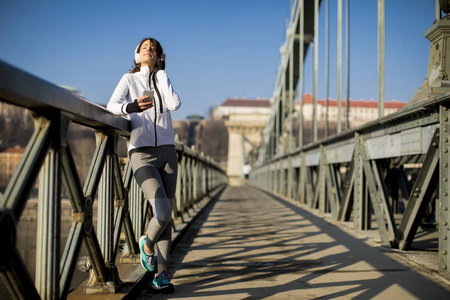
250 244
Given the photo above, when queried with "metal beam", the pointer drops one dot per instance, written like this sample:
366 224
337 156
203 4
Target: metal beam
443 213
423 190
16 277
347 198
376 202
28 168
333 191
40 94
381 186
48 225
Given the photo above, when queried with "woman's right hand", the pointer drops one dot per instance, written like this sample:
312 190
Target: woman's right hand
144 104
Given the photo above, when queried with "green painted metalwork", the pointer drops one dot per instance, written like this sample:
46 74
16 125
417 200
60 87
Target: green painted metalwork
443 213
359 173
121 205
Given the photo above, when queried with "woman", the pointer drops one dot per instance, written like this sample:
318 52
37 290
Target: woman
145 96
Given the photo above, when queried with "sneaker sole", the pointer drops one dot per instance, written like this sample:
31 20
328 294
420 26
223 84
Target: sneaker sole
168 289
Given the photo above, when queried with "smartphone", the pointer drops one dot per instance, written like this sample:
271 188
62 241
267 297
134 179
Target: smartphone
148 93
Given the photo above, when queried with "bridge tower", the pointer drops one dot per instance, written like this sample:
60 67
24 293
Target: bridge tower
245 119
437 81
250 127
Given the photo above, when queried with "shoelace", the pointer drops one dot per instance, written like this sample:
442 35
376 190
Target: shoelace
164 275
148 258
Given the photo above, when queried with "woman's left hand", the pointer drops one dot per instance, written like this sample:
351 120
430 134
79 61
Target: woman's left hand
161 64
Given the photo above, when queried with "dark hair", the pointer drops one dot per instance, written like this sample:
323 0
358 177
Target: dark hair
159 52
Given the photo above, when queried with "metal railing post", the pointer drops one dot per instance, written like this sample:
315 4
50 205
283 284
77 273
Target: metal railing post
49 212
136 208
106 207
104 276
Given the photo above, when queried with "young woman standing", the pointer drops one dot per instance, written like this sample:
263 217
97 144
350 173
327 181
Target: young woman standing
146 96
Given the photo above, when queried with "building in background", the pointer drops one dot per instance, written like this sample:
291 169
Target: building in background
244 119
241 107
9 159
208 137
361 111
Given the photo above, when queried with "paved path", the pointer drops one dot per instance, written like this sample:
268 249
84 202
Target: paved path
251 245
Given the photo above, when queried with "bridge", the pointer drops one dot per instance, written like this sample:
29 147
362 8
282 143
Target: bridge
325 218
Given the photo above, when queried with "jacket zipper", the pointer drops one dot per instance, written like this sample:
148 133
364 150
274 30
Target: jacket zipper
156 111
159 95
160 106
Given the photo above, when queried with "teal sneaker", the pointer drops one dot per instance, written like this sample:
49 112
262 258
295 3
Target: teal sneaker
147 261
161 281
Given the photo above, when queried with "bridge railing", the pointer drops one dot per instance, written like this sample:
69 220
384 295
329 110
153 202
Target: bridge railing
361 170
395 167
121 205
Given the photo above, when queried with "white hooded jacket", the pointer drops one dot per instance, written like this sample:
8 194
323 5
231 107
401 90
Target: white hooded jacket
152 127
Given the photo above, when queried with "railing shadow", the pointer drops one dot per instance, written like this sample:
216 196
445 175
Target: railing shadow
254 245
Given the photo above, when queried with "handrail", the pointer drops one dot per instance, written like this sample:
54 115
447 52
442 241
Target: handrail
48 155
411 111
26 90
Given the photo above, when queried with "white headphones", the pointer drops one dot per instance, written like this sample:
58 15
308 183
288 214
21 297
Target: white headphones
136 55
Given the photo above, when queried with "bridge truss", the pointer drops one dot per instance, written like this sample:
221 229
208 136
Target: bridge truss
395 169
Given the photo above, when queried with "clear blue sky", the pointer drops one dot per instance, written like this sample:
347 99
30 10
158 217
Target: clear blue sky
215 49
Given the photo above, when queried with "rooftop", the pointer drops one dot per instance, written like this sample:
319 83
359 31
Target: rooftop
307 99
244 102
14 150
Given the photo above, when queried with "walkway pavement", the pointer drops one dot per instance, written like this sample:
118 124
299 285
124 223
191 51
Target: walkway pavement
252 245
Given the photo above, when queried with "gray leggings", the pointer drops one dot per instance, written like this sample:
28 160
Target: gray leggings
155 170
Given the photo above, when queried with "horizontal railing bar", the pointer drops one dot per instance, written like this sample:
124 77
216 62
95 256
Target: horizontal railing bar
408 113
26 90
21 88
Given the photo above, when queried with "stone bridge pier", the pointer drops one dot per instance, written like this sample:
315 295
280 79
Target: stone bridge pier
239 126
